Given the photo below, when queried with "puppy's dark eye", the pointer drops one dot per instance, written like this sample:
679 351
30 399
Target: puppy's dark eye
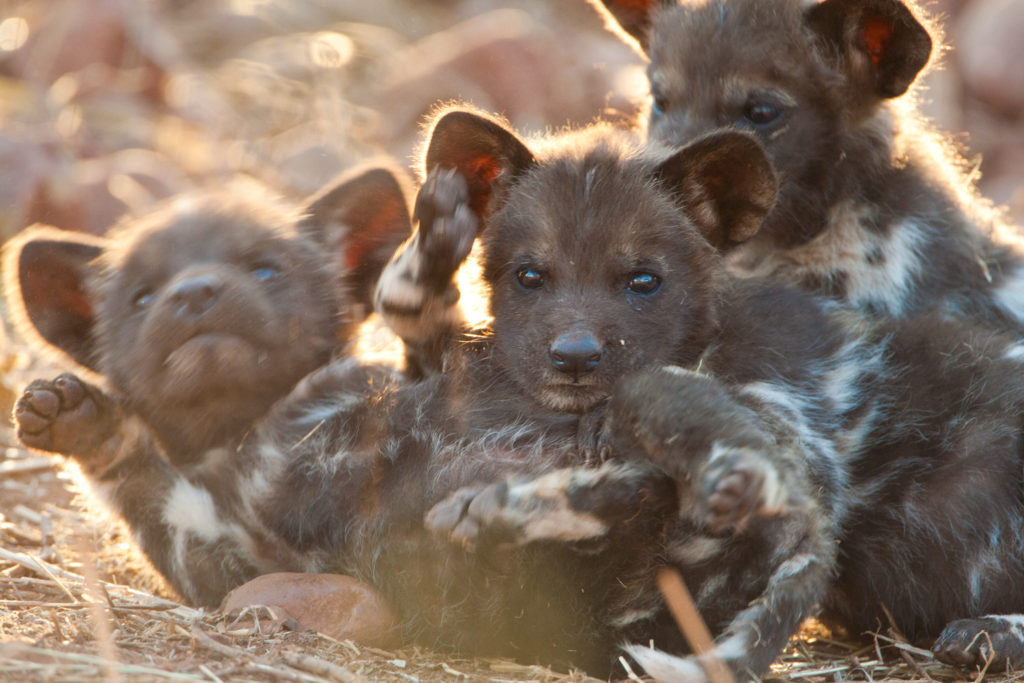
529 278
264 272
762 114
143 298
643 283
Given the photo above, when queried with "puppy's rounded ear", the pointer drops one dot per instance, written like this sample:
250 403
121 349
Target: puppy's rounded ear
632 18
46 284
725 183
361 218
488 155
880 44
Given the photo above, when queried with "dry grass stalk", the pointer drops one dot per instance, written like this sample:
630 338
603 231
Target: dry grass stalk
681 604
99 616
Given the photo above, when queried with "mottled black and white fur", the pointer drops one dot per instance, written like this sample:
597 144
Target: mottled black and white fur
875 208
870 484
195 320
750 428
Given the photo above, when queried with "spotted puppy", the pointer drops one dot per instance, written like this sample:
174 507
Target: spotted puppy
340 475
752 427
184 327
875 208
853 409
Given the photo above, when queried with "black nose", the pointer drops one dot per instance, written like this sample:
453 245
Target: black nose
575 353
195 295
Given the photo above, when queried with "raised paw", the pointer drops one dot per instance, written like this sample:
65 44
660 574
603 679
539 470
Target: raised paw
737 484
447 227
996 641
65 416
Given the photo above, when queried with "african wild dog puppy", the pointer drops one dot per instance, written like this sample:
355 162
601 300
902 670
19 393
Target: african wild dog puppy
874 460
875 208
195 319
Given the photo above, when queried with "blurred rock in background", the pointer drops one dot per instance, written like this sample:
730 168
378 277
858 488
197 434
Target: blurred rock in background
107 106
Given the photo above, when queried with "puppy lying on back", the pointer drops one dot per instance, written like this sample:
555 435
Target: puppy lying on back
189 324
340 475
857 431
874 207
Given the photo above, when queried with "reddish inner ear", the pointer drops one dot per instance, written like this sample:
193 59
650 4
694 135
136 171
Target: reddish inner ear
481 172
364 242
877 33
60 291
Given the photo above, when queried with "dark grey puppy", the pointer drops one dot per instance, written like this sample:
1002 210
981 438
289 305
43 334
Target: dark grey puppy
875 208
195 320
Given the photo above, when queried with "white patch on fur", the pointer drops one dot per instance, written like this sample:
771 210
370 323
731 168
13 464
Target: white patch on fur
986 564
1014 352
794 566
1016 621
733 647
631 617
682 372
697 549
1010 294
843 247
191 510
794 410
667 668
395 288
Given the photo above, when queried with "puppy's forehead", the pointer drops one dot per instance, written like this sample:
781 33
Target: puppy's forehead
697 45
199 230
599 202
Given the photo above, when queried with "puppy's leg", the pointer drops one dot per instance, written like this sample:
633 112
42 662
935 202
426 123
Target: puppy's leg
996 641
742 483
417 294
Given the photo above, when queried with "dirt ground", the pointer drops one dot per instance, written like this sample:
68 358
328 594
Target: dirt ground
108 106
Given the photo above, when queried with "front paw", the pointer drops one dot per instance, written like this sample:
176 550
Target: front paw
447 227
569 505
671 416
65 416
737 484
516 511
994 641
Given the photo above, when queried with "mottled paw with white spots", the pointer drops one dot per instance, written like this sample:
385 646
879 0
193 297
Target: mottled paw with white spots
568 505
736 484
447 227
997 641
66 416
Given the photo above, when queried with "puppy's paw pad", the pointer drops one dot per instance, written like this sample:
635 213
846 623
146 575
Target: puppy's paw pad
61 416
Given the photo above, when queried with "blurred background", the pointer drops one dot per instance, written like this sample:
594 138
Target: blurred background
107 106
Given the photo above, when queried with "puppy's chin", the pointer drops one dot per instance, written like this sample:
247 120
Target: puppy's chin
571 398
212 363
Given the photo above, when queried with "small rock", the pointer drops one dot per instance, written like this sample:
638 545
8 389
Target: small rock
335 605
